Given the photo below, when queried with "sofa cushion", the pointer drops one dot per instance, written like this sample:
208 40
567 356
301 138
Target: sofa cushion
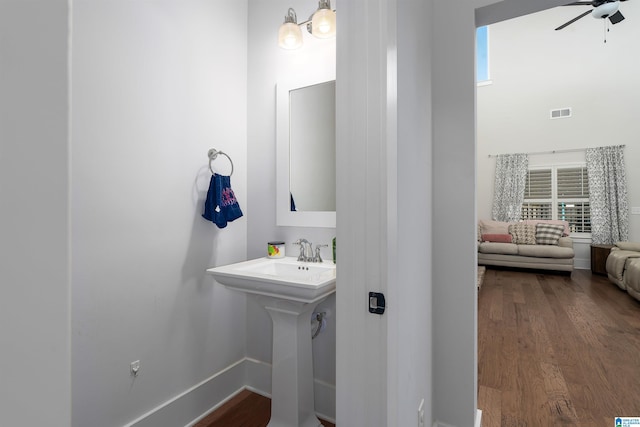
629 246
564 224
523 234
545 251
559 264
498 248
499 238
548 234
493 227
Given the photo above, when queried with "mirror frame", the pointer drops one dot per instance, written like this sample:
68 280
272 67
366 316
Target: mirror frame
284 215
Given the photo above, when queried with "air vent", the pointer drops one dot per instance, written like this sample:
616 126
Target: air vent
560 113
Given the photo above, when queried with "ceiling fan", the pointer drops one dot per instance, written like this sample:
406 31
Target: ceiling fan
601 9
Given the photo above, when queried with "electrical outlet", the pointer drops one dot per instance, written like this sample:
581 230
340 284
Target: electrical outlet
421 414
635 211
134 368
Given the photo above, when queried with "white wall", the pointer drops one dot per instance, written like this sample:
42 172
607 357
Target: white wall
410 337
155 85
366 171
454 260
535 69
267 65
35 385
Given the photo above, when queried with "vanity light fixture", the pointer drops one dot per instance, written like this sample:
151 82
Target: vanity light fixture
289 35
323 21
322 24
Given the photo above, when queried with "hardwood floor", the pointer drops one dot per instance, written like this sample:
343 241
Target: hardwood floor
553 350
246 409
556 350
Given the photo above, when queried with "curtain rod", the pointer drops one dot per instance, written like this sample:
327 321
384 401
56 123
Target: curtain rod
569 150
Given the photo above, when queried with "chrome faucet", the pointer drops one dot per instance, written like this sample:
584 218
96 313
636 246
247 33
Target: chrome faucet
317 257
306 250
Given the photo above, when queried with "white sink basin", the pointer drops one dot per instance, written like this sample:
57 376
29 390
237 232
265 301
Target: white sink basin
284 278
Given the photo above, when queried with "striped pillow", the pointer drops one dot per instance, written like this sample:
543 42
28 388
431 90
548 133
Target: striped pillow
548 234
523 234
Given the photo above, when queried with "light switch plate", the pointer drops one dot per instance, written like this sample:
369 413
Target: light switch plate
635 211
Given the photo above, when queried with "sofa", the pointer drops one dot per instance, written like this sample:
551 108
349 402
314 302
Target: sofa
533 244
623 267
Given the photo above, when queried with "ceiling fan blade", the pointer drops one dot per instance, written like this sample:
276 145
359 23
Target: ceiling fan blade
579 3
616 17
573 20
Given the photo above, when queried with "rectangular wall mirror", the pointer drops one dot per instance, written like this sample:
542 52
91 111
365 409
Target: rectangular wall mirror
306 153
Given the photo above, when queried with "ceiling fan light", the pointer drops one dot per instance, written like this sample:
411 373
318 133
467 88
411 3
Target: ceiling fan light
605 10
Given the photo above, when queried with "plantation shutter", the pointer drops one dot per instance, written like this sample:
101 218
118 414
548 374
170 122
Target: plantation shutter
538 194
573 183
573 198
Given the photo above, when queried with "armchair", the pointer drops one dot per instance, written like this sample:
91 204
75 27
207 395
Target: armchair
623 267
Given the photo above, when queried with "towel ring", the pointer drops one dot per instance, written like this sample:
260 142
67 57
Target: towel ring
213 154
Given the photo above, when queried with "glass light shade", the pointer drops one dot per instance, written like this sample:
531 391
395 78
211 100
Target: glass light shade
323 24
605 10
289 36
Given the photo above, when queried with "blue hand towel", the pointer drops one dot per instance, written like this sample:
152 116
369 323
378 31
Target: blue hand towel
221 205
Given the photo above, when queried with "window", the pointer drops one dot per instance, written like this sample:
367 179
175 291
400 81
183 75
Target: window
482 54
559 192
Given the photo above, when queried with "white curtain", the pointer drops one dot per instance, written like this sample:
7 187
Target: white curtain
608 195
508 193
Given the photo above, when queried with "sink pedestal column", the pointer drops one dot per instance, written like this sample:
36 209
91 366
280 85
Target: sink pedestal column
292 400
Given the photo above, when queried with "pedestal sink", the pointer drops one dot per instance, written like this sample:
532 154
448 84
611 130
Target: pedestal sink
289 290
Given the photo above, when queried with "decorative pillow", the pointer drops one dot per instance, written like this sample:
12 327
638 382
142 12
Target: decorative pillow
523 234
548 234
493 227
565 224
498 238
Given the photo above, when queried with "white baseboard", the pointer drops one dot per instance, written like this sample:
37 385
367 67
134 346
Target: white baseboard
219 404
477 422
259 381
179 411
246 373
